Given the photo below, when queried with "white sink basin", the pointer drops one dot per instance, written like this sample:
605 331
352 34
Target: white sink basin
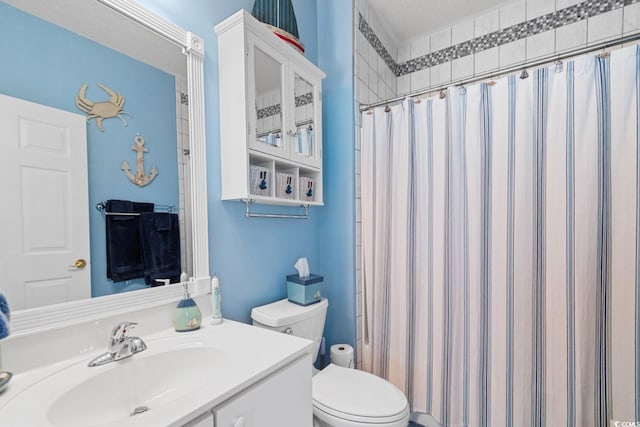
119 393
131 387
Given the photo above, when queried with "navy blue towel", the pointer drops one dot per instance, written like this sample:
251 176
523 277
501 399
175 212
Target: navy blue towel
160 243
124 255
4 326
4 307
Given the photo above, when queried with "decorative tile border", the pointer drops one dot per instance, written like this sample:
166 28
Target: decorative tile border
184 98
550 21
274 110
305 99
271 110
375 42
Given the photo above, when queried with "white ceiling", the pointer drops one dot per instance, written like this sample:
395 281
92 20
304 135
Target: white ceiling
409 18
104 25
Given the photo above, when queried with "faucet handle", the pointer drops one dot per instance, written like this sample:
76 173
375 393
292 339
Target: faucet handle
120 331
118 335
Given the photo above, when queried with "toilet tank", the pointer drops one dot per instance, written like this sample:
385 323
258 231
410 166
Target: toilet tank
287 317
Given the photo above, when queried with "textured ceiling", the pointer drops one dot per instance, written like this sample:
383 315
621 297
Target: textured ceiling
409 18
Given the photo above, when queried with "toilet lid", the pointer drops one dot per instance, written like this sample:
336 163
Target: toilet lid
357 395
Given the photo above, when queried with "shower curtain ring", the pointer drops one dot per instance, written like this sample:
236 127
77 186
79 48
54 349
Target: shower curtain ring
559 66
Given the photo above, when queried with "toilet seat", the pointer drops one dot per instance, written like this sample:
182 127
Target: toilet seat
357 398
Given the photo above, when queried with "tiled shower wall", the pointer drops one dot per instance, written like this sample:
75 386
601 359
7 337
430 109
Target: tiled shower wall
375 81
516 33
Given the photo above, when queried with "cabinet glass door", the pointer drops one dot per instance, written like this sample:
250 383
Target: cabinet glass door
268 113
306 136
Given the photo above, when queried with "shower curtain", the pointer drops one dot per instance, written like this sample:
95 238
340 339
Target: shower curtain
501 247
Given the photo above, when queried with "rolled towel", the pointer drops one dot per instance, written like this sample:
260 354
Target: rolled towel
4 307
4 326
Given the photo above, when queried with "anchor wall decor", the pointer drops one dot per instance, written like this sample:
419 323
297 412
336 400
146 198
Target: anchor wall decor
101 110
140 179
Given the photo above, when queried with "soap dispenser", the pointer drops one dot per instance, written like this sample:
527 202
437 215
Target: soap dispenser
187 316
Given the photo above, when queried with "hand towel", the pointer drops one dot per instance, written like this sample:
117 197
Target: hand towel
4 326
4 307
160 244
124 256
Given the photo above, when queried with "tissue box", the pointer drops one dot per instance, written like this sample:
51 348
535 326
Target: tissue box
304 291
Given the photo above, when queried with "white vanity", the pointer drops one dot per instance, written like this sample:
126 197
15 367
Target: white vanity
228 375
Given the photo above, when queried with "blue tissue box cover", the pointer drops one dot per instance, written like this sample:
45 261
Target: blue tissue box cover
304 291
313 278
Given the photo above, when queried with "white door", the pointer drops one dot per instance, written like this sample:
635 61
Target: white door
44 218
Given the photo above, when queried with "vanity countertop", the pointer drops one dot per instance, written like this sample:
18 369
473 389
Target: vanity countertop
236 355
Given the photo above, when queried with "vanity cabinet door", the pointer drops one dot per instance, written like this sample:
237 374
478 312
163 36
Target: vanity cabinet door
306 128
282 399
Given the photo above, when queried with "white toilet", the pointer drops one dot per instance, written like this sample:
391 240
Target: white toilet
342 397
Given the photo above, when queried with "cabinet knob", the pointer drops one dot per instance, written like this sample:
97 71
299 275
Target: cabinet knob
239 422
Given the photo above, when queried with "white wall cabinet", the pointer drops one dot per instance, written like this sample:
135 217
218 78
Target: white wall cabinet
270 117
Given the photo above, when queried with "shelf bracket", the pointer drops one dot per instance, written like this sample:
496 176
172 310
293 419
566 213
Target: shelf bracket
249 214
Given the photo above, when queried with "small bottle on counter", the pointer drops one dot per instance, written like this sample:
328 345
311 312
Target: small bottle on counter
187 316
216 313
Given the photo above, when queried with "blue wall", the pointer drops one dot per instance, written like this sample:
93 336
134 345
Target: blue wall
336 222
252 256
48 66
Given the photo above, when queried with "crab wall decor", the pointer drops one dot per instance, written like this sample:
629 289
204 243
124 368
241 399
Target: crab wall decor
101 110
140 179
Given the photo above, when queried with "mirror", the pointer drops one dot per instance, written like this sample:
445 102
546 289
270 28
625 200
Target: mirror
268 85
303 92
131 53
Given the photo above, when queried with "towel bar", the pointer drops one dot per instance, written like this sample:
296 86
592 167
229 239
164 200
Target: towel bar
249 214
102 206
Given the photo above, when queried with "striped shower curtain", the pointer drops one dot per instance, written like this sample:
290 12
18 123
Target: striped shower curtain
501 247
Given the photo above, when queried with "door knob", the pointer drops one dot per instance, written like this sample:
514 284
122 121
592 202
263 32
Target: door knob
80 263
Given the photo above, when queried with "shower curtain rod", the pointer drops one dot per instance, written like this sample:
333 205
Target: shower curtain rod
493 74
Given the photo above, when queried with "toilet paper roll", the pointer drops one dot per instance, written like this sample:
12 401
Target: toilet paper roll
342 355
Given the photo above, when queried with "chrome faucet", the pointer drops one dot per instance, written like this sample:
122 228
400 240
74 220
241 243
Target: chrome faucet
120 345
